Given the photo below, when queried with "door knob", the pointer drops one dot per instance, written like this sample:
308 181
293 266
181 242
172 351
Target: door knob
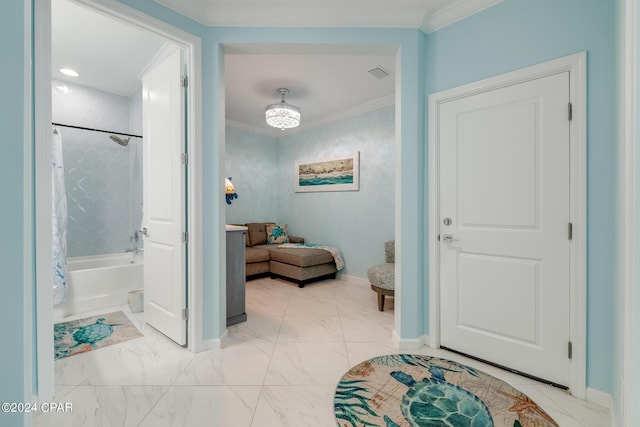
448 238
144 232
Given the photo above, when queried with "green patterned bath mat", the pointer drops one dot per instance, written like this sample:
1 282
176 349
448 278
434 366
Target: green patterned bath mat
80 336
415 391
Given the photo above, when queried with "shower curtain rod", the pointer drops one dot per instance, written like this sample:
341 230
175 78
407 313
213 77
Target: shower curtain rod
97 130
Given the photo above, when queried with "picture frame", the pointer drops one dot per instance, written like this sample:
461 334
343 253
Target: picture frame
333 174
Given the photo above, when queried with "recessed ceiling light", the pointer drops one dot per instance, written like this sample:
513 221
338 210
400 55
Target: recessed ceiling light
69 72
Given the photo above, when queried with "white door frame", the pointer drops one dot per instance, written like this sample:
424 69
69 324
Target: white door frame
42 118
576 65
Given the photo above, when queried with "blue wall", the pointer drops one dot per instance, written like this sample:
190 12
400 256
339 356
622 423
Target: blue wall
357 222
251 160
519 33
15 247
618 286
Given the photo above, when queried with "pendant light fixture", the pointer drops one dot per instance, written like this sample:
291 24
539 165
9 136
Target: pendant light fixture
282 115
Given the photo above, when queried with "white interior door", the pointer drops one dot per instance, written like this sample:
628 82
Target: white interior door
504 218
164 198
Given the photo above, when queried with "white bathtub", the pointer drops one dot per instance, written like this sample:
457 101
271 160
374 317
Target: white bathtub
96 282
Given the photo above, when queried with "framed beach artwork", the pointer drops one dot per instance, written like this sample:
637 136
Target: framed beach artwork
339 174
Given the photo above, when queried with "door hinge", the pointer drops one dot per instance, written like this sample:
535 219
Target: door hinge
570 349
570 111
184 81
184 157
185 237
185 314
570 231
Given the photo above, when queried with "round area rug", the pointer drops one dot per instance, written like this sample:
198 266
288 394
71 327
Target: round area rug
414 390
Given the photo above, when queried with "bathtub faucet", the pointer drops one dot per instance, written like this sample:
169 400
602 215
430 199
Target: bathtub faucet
134 250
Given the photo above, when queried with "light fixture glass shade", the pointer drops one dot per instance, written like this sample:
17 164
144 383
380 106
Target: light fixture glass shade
228 186
282 115
229 191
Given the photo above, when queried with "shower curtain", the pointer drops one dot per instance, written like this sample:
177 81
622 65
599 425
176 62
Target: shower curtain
59 210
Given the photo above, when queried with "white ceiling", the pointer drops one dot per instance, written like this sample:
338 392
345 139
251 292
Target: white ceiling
108 54
325 81
325 84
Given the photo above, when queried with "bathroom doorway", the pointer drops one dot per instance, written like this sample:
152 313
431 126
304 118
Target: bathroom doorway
101 120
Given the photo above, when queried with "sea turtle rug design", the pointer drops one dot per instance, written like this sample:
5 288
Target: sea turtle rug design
405 390
80 336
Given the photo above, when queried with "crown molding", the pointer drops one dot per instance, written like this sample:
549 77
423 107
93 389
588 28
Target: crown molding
251 128
455 12
352 112
213 15
197 11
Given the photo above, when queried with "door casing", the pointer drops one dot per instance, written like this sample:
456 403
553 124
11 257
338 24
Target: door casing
576 65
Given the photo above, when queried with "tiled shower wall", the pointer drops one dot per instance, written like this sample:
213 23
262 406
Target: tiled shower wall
103 179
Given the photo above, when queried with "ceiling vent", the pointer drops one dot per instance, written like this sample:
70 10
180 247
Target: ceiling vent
378 72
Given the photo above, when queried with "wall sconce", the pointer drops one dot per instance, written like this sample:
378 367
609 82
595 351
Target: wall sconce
229 191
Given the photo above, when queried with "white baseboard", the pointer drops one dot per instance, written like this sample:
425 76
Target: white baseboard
599 397
356 279
214 343
395 339
603 399
408 343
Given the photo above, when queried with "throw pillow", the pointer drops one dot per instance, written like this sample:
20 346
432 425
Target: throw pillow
277 234
257 233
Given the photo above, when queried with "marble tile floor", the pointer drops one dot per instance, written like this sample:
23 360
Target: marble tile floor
278 369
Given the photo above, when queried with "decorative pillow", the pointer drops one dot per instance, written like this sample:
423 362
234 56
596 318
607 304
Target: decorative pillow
277 234
257 234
